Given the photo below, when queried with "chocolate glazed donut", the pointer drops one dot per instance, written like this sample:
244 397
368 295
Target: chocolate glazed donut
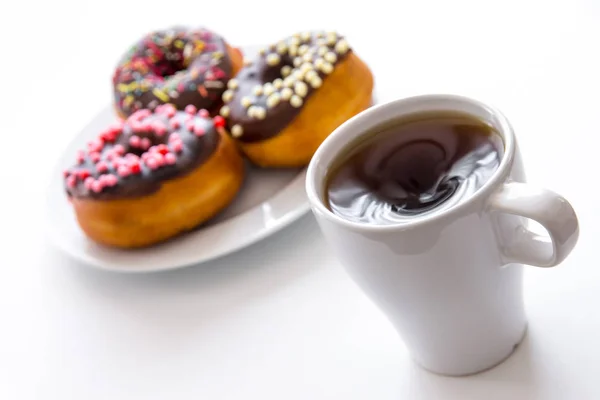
281 106
176 66
155 175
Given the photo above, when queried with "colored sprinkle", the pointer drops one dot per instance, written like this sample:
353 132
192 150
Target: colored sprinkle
170 158
160 94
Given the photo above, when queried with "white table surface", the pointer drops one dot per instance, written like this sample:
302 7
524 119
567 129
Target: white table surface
280 320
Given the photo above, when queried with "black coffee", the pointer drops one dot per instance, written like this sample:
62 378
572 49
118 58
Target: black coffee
413 166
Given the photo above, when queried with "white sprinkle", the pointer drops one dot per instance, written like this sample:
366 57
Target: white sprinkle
257 90
273 100
297 61
316 82
296 101
320 34
321 42
310 75
187 50
285 70
262 51
224 111
306 67
236 131
246 102
302 49
327 68
278 83
331 38
260 113
307 57
286 93
251 111
301 89
330 57
305 35
341 47
232 84
281 47
298 74
227 96
293 50
294 41
319 63
289 81
268 89
247 62
273 59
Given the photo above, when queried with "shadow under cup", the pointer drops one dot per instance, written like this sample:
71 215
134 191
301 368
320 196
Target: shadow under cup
447 280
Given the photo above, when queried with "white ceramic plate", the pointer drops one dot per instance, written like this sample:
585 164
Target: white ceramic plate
269 201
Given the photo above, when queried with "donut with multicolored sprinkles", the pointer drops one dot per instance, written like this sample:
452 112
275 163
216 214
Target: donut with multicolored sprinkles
153 176
283 104
177 66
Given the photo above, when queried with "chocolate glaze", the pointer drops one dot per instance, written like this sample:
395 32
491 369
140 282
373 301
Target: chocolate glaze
195 150
177 66
297 52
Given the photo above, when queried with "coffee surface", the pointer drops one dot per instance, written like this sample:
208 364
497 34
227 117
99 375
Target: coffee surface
413 166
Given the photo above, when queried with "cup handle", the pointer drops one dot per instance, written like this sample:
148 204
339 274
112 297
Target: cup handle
550 210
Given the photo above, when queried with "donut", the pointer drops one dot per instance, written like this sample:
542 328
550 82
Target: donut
177 66
282 105
153 176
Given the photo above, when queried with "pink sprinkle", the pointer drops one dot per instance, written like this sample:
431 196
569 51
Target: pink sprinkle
162 149
174 136
206 35
110 156
130 157
88 182
180 87
198 130
151 163
66 172
174 123
95 157
97 186
203 113
177 146
170 158
145 156
111 180
209 76
135 141
159 128
191 109
190 126
101 166
119 149
136 126
139 115
146 143
80 157
147 126
71 181
169 110
116 163
219 73
123 171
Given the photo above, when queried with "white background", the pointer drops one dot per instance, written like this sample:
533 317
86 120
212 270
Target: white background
280 320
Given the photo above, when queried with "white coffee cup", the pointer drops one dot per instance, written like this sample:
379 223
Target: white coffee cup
450 282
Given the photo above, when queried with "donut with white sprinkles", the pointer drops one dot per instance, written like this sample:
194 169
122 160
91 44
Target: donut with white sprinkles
283 104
